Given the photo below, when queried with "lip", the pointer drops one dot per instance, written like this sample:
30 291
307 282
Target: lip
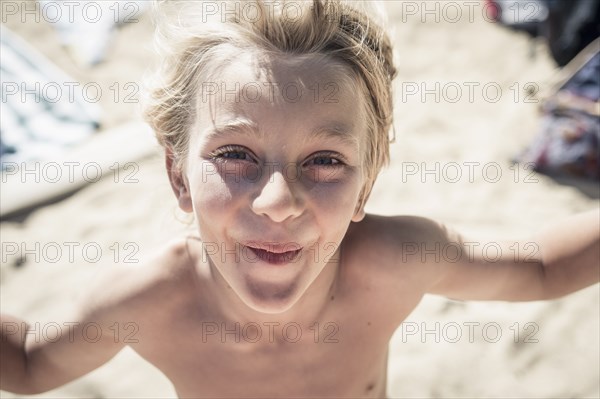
274 254
273 246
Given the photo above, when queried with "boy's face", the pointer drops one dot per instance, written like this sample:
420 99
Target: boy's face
274 173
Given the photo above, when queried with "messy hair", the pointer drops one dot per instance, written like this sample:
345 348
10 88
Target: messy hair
189 43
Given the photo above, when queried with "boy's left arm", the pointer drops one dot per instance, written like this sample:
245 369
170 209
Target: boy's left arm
562 259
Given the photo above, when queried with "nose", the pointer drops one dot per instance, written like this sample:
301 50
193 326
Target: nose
278 199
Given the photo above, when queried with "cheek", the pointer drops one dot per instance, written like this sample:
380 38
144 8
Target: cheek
336 199
214 189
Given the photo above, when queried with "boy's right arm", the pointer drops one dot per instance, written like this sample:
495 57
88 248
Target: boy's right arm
47 357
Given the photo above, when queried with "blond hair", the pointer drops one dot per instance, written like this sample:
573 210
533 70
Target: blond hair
189 40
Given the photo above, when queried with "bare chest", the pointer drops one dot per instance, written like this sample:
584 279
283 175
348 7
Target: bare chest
329 358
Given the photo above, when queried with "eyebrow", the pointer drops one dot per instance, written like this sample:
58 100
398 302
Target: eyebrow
234 127
337 131
241 126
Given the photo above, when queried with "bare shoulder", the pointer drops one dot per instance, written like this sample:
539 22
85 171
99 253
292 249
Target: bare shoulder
385 282
123 290
391 248
389 235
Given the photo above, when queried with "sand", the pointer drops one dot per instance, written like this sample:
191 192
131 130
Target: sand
476 349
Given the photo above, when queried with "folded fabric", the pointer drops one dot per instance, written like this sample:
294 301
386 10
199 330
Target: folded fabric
42 110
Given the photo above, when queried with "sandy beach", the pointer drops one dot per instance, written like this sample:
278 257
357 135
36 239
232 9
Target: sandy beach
462 111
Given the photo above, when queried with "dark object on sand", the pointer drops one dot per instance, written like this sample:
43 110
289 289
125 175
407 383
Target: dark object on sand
568 25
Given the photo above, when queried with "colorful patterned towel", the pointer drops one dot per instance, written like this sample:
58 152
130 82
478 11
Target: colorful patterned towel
567 142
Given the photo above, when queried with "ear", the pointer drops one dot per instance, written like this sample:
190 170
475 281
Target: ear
178 181
359 211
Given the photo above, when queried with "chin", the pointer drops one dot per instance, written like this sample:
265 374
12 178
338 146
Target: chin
270 298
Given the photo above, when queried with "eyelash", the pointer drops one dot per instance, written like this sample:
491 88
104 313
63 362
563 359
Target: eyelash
331 155
219 155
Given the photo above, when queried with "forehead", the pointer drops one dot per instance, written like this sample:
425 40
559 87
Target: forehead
272 79
282 90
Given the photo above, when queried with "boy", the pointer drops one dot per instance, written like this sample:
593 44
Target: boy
274 134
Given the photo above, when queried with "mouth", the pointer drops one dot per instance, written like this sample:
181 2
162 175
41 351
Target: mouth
274 254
